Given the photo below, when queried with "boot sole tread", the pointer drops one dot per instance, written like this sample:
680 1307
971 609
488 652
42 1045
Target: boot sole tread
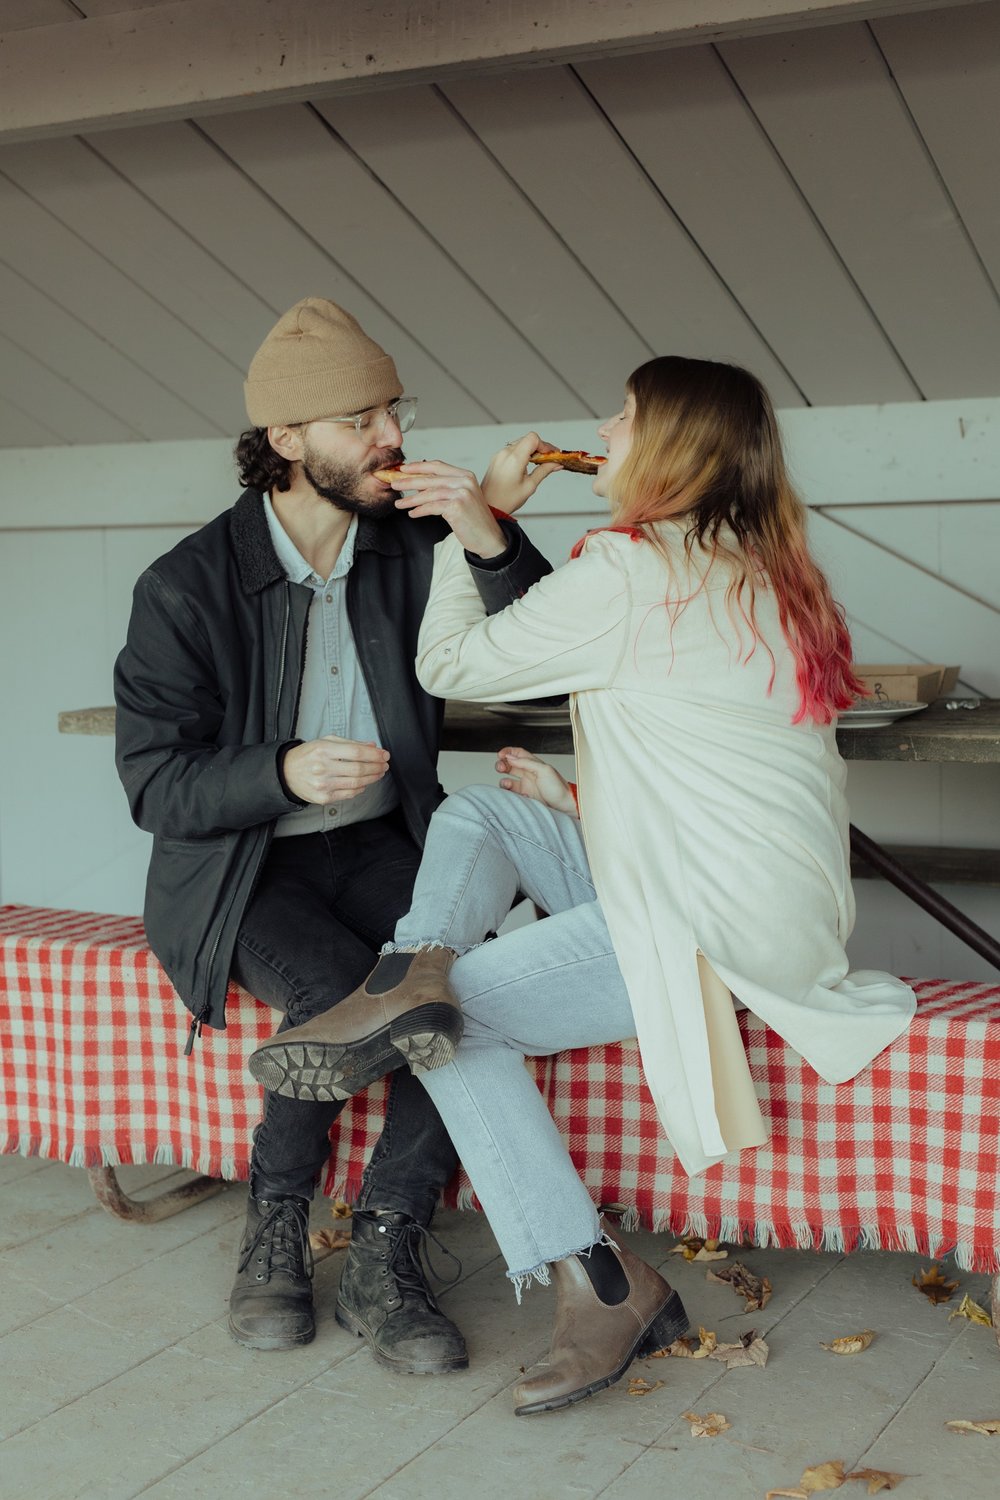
326 1072
250 1341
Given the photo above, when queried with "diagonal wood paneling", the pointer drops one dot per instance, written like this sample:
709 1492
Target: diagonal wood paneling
217 205
19 430
50 256
498 238
29 386
294 157
907 603
83 358
958 543
548 134
83 192
865 173
947 66
695 136
16 14
819 206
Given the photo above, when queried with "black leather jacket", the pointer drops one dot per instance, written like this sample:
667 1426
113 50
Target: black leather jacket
207 690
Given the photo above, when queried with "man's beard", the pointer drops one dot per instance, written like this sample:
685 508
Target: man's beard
343 484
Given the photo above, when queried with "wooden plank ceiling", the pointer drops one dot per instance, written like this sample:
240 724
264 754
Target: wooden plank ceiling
819 205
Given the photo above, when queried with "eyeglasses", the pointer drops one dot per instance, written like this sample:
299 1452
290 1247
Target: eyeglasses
372 423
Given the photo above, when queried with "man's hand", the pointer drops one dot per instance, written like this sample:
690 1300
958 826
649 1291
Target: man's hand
332 769
439 489
524 773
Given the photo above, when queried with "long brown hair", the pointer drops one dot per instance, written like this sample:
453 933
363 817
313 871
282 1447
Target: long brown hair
706 450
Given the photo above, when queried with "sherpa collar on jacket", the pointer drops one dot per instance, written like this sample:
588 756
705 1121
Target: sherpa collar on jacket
258 563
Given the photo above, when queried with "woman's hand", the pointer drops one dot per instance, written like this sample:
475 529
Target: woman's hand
435 488
507 483
524 773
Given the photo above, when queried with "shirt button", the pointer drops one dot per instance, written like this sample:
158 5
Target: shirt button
329 598
334 671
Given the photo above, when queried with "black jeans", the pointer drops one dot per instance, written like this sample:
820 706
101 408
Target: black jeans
323 906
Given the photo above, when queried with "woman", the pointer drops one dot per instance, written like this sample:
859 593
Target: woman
705 662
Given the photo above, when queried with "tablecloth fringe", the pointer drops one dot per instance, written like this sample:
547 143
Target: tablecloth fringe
228 1168
796 1234
801 1235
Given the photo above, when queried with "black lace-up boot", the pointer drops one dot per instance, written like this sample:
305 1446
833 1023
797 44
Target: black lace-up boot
384 1297
271 1303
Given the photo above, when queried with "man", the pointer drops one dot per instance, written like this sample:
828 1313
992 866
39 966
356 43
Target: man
273 738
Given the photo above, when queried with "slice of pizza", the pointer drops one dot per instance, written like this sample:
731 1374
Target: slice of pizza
576 461
388 474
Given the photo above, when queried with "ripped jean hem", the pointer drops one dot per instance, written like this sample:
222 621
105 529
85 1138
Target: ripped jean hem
540 1274
457 948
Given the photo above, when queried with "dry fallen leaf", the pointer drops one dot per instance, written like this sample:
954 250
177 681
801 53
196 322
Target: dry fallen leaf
756 1289
828 1476
989 1427
639 1387
851 1343
934 1285
750 1350
324 1241
707 1426
687 1348
878 1479
971 1310
694 1248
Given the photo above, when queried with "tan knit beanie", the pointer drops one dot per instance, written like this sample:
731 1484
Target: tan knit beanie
317 361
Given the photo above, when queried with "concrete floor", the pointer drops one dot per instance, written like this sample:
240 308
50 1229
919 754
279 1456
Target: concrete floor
118 1377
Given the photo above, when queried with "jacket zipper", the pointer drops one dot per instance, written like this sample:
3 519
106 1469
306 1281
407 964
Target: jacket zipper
198 1022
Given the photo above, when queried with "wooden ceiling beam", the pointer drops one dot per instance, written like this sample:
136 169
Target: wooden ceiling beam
171 60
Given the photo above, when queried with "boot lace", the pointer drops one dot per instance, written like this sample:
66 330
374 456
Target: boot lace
406 1241
280 1242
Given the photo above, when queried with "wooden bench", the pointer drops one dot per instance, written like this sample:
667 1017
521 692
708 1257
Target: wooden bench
904 1157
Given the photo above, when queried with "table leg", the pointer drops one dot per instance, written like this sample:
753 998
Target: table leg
995 1306
924 895
110 1196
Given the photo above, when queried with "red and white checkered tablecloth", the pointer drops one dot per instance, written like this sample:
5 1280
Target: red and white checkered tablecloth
905 1156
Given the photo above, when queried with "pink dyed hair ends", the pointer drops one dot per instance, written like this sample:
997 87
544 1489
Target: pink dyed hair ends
706 449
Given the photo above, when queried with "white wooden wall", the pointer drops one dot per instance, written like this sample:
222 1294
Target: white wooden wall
905 516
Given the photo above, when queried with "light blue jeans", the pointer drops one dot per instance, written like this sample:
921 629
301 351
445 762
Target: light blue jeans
537 990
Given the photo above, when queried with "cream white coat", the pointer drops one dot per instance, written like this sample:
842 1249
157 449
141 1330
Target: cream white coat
714 825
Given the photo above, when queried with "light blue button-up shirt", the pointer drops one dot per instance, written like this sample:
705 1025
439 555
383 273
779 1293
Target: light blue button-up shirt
334 696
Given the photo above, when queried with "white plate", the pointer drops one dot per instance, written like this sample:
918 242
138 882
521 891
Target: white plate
544 715
874 715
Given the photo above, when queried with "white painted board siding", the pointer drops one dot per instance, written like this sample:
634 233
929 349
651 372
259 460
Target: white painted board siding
77 528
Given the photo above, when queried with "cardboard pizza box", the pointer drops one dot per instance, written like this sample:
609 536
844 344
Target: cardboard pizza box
907 682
